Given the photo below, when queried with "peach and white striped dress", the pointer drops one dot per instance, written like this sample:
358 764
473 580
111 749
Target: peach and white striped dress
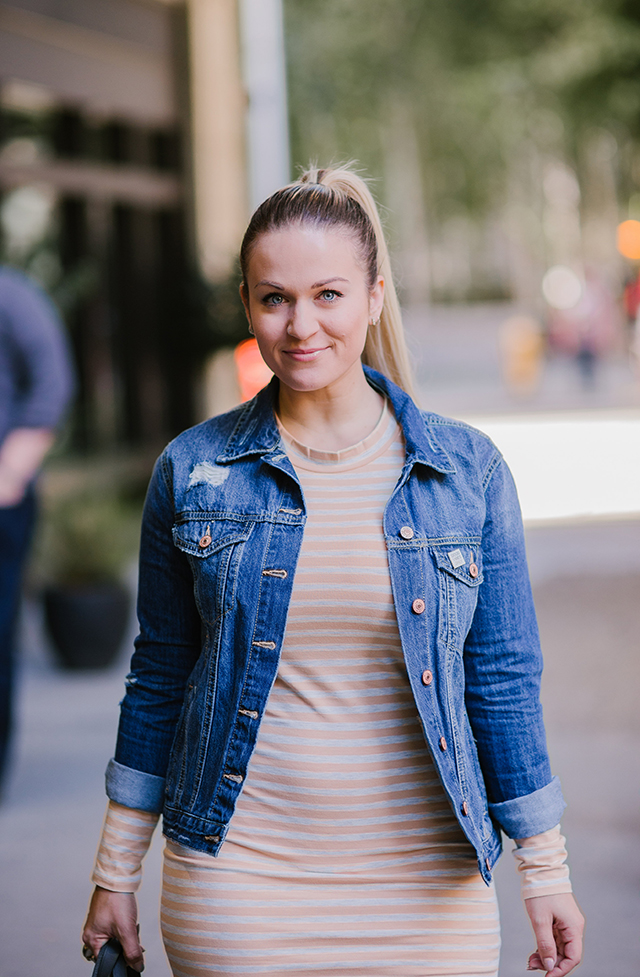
367 872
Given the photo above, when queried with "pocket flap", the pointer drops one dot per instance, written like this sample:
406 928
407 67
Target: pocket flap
203 537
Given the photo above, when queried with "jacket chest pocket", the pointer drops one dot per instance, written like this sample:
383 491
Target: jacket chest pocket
459 569
214 550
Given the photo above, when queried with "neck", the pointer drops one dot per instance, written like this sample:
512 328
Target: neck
332 418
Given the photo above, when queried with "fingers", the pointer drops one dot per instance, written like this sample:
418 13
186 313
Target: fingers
558 925
133 951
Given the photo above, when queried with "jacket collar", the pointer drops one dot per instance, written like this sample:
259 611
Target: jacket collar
256 431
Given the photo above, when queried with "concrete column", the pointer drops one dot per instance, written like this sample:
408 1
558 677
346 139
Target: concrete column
218 109
263 61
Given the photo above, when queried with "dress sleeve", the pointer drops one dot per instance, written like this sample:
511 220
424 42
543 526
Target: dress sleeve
125 840
542 864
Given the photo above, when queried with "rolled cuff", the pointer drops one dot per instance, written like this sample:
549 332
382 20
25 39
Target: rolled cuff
531 814
133 788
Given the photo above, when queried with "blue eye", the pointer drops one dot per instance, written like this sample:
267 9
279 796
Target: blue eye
330 294
274 298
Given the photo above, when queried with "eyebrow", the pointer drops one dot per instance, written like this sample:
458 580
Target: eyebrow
327 281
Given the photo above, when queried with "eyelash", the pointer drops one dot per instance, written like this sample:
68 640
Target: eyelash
269 299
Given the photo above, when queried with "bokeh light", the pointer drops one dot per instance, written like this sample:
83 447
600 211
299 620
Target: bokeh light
253 372
628 239
561 287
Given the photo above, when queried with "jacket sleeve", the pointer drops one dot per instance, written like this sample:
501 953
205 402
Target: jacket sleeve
166 651
503 667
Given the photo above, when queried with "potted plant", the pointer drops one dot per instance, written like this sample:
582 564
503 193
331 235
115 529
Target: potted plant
86 543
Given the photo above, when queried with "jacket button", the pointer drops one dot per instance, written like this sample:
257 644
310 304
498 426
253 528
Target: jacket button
204 542
473 570
443 744
427 677
407 532
465 809
418 606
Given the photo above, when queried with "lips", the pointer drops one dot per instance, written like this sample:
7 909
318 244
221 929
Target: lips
304 354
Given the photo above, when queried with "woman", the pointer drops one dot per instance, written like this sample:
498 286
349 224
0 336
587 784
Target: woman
334 695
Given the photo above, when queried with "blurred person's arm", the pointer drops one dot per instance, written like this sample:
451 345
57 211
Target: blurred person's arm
21 455
37 380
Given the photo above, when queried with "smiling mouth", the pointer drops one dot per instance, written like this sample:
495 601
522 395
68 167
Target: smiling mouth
304 354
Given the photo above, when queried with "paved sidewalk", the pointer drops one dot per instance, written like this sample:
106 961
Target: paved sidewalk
587 580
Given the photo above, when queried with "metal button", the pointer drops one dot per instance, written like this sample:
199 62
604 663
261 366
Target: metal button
427 677
473 570
443 744
407 532
418 606
205 541
465 809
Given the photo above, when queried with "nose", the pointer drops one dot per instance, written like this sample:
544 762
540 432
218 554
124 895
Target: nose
302 322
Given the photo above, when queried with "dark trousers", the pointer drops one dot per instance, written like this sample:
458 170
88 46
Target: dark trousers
16 526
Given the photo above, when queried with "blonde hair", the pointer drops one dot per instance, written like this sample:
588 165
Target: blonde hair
338 196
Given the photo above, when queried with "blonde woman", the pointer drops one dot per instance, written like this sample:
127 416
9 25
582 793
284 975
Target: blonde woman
333 700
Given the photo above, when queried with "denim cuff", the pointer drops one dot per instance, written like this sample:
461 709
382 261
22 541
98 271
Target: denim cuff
523 817
133 788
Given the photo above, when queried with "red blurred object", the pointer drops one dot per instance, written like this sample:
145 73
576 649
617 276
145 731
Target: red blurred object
253 372
631 298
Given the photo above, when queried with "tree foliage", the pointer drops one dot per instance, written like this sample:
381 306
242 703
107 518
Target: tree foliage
477 77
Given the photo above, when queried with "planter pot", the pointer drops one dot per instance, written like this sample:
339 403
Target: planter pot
87 623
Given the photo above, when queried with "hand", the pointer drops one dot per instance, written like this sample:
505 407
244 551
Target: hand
558 925
114 914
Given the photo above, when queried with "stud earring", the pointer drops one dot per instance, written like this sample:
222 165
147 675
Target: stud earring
374 322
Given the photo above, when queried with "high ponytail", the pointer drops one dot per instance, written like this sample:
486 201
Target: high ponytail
340 197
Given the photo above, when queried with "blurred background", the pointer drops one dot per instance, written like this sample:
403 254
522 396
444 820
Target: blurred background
503 141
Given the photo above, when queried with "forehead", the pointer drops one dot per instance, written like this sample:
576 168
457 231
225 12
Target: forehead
305 248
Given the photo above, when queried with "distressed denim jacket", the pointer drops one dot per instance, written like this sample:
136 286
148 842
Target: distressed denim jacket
221 534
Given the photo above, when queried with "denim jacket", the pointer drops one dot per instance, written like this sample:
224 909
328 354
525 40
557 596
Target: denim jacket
221 534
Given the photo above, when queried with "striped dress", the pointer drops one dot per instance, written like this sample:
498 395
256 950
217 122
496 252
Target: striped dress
343 857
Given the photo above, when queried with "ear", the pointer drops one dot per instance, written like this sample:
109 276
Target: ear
376 299
245 301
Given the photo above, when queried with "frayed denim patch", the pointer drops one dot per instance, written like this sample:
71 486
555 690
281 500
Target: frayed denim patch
205 472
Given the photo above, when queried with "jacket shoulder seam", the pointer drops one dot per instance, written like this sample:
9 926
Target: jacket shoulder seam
493 464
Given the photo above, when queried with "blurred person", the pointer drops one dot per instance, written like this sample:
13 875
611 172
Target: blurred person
334 697
589 329
522 348
36 383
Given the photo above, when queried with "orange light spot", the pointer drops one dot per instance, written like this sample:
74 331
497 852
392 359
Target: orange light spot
253 372
629 239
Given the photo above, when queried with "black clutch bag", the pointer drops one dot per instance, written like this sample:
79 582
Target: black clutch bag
110 962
